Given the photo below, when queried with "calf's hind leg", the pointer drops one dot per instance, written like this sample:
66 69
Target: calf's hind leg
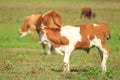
104 52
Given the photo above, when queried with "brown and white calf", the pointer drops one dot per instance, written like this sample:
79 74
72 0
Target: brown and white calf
50 19
68 38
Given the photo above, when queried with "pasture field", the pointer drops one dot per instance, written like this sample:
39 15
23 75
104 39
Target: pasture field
22 58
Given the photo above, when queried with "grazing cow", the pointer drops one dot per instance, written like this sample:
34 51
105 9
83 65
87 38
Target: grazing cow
50 19
68 38
87 13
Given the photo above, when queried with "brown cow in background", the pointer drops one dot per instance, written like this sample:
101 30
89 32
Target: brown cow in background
87 13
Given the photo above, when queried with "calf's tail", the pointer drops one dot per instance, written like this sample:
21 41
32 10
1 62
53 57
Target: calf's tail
109 37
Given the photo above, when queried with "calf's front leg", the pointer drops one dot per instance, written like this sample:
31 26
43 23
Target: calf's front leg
66 66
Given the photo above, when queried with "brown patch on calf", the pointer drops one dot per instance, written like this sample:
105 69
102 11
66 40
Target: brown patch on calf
85 31
55 37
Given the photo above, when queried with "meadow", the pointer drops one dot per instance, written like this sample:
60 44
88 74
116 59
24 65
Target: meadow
22 58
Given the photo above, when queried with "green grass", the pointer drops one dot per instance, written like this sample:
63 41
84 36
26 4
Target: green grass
22 58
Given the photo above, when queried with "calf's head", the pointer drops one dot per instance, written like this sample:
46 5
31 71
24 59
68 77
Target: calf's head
23 32
25 29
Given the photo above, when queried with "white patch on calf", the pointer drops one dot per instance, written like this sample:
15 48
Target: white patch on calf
95 25
71 33
96 42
